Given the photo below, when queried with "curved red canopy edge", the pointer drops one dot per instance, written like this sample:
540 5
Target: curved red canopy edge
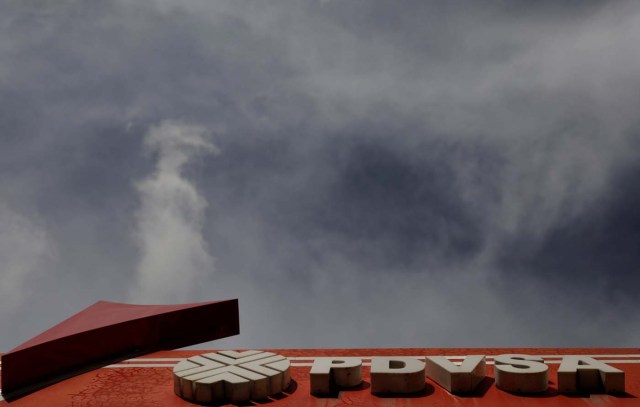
107 332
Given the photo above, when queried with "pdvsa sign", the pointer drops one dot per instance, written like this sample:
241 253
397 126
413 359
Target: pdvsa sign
514 373
240 377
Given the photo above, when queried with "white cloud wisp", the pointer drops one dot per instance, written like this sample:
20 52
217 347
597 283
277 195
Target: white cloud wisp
170 218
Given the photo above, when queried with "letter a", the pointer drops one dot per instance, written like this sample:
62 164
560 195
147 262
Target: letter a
585 374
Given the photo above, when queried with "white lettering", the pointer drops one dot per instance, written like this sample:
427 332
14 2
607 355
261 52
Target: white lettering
521 373
398 374
463 378
328 373
585 374
405 375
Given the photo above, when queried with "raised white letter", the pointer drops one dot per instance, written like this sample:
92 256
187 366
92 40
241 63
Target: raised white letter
335 372
456 378
397 374
585 374
521 373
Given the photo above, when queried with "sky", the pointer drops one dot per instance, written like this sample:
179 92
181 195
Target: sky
357 173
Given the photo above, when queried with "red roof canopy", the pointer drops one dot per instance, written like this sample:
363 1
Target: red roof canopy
107 332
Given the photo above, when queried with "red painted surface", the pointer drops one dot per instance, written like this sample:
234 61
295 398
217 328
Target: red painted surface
108 332
153 386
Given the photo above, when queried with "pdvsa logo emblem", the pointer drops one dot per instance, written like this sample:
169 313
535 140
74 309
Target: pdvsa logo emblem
236 377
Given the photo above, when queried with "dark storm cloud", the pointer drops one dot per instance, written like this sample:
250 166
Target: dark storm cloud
386 176
598 248
402 207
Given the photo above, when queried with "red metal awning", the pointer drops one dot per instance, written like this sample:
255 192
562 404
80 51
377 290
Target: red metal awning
107 332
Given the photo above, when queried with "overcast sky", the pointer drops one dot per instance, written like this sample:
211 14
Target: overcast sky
358 173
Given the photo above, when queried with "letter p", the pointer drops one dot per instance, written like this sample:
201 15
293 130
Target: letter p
331 373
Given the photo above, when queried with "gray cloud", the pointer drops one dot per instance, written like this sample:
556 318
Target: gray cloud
24 249
389 176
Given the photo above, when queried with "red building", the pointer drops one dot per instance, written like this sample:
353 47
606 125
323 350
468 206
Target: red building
60 368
